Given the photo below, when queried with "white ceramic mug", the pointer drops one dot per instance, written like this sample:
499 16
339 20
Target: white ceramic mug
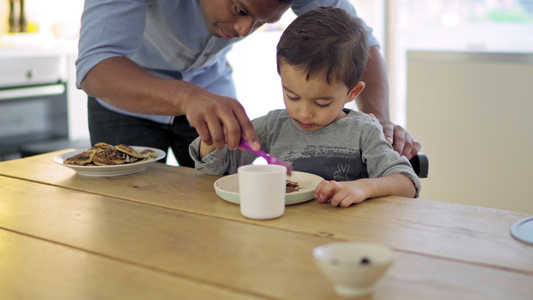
262 191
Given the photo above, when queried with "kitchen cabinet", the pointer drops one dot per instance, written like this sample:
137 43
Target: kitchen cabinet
37 82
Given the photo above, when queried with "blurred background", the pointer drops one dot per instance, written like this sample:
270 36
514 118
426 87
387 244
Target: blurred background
459 73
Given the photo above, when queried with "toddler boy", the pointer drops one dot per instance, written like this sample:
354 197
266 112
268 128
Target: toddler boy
321 57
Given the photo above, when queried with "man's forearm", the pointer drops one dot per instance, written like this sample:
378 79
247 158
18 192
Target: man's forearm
375 97
125 85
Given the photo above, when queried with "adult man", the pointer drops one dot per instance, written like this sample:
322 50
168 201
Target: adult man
158 66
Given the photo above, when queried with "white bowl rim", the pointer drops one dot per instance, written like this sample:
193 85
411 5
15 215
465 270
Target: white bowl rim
320 257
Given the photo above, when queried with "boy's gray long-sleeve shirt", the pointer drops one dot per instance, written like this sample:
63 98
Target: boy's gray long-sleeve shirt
351 148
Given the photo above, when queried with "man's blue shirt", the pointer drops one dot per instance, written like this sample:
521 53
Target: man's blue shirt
168 38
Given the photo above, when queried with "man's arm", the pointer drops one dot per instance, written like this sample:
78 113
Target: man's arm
122 83
375 100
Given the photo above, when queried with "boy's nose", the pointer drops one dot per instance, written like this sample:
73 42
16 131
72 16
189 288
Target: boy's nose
306 112
244 26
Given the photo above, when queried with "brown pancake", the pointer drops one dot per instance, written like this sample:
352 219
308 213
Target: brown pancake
104 146
149 153
109 157
82 159
129 150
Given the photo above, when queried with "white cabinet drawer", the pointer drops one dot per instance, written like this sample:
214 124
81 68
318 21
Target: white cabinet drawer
32 70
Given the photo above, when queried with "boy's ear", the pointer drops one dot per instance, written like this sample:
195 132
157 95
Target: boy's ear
359 87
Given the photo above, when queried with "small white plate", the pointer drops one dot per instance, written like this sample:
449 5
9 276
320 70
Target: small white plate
523 230
227 187
107 171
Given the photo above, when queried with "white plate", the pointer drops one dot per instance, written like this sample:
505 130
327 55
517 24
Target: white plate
106 171
523 230
227 187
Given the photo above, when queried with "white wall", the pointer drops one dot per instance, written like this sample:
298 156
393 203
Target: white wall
254 70
472 110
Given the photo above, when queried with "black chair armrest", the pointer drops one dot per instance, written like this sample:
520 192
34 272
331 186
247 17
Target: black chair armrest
420 164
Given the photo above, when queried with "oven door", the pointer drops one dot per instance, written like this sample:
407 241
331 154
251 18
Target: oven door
31 114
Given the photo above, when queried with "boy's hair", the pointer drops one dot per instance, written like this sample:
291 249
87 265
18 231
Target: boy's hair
328 40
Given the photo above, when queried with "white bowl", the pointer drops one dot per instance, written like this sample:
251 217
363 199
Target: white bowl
353 267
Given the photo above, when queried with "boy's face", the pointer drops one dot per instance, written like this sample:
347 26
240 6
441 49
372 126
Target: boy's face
314 103
237 18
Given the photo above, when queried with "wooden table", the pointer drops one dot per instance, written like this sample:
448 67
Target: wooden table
164 234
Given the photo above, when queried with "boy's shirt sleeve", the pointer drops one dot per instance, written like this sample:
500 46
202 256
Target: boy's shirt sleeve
219 162
225 161
382 160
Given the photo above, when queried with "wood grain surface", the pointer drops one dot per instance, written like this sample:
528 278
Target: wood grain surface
165 234
442 229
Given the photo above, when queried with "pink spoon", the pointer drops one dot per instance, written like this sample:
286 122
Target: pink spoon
271 160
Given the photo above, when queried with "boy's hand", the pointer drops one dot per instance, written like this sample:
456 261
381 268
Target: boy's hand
205 149
343 193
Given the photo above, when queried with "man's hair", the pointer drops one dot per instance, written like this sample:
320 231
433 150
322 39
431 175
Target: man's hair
326 40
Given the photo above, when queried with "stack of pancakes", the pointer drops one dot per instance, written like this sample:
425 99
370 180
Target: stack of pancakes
103 154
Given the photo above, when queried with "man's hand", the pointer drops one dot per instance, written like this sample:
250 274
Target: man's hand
399 138
219 120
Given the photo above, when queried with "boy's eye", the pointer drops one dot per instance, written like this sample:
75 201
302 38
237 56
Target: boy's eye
292 98
240 12
322 105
